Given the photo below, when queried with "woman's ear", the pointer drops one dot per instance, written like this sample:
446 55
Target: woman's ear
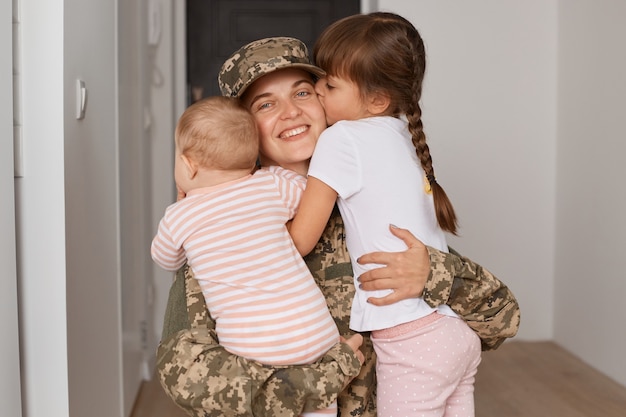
190 166
378 103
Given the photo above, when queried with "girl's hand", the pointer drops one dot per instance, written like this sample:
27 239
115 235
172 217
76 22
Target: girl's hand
403 272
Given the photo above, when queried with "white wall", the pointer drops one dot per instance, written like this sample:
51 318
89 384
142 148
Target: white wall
40 211
489 106
591 195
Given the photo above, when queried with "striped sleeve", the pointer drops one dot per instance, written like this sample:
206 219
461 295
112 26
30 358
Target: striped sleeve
291 186
165 252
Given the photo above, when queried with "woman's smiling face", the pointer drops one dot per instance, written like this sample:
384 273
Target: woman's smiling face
289 116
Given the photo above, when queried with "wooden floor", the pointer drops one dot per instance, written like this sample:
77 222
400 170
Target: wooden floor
520 379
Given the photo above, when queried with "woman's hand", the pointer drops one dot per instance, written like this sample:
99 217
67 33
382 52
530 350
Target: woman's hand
403 272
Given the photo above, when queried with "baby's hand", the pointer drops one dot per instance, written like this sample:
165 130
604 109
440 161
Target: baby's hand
355 341
180 194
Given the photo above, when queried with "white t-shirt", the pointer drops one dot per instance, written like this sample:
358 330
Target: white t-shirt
372 165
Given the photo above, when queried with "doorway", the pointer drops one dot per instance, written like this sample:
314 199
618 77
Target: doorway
217 28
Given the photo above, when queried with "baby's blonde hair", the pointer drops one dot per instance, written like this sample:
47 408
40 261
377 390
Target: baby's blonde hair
218 133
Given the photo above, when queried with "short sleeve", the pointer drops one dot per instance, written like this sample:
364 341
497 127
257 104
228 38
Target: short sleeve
336 160
290 187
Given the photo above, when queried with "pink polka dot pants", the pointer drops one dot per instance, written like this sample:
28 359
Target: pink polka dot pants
426 368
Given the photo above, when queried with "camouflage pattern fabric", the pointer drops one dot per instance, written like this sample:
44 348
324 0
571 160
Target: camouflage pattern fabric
205 380
261 57
482 300
330 265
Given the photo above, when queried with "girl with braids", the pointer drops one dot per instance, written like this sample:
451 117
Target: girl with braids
374 162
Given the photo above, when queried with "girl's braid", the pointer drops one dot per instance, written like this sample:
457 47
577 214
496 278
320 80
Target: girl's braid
446 217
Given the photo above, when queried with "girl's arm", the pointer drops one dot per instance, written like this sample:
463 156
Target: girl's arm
313 213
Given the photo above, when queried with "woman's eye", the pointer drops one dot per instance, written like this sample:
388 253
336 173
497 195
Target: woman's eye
263 106
303 93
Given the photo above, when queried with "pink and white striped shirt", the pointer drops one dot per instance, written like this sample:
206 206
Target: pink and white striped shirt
258 289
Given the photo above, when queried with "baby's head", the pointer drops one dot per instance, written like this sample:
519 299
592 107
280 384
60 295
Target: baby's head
218 133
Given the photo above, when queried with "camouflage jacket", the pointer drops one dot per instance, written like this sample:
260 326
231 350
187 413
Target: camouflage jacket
206 380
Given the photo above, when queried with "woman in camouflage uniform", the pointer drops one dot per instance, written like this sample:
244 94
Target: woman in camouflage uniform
274 78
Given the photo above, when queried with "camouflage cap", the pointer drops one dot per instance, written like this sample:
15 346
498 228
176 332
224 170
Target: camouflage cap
262 57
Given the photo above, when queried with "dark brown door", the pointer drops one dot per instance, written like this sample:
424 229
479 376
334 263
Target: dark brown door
216 28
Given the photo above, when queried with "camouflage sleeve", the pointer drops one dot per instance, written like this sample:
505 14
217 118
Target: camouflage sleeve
330 265
482 300
204 379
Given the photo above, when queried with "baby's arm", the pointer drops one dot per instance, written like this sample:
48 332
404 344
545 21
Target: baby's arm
313 214
165 252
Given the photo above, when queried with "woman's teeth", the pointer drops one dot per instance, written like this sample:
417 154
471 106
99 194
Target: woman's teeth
293 132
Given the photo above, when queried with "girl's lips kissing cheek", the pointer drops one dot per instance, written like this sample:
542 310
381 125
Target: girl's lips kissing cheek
290 133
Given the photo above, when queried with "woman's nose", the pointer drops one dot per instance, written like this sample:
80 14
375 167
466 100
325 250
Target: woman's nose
291 110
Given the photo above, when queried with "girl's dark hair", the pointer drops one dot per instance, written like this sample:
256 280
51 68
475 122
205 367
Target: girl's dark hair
384 53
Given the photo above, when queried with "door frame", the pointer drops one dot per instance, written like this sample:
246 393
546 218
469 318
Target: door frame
180 68
10 380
